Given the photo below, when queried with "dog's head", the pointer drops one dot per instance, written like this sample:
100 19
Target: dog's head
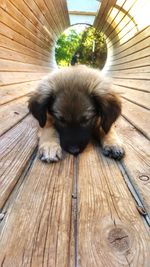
76 109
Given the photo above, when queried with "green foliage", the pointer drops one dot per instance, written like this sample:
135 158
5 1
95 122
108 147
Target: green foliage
88 57
66 47
73 42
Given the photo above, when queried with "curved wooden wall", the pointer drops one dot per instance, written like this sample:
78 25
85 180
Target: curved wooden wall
28 30
47 222
128 63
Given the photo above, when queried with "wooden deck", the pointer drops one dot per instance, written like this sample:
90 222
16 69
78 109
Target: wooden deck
87 210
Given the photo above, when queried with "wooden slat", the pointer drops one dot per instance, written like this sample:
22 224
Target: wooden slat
111 231
145 52
142 85
139 47
139 70
11 92
137 149
15 56
142 77
50 17
34 7
138 116
37 227
132 64
9 65
140 98
19 38
102 14
119 26
28 29
9 78
11 42
22 32
12 113
27 12
136 39
16 147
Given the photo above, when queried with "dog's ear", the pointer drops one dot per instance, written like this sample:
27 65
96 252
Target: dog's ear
40 102
108 107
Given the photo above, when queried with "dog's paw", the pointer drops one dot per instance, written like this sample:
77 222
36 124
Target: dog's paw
113 151
50 152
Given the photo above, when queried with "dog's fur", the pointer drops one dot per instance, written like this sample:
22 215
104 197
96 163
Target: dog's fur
71 104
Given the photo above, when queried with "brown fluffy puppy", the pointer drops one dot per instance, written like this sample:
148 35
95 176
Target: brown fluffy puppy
71 104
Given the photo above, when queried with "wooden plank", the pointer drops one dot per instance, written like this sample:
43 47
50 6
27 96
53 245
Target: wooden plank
137 149
59 7
138 116
113 17
143 85
22 32
133 70
102 14
37 226
19 57
12 113
132 64
139 47
111 231
11 92
140 98
55 9
27 27
9 78
64 8
27 12
46 17
84 13
135 73
136 39
9 65
13 45
122 21
40 14
131 76
16 147
145 52
19 38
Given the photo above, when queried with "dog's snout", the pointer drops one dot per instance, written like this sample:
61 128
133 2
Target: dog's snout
74 150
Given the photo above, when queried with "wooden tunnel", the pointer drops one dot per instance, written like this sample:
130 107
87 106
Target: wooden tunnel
87 211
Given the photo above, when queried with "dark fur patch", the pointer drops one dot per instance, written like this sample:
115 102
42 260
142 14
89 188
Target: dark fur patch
109 107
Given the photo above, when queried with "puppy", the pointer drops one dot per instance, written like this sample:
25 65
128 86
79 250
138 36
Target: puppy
70 105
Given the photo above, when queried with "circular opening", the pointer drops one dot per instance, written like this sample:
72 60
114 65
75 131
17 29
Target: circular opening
81 44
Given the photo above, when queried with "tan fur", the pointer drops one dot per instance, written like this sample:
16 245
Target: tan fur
49 145
75 80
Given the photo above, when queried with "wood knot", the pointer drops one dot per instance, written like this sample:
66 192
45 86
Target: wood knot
144 178
118 239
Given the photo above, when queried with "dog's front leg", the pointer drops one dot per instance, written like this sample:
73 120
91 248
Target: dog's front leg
111 144
49 145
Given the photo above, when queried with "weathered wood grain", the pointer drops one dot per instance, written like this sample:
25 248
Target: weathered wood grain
12 92
12 113
16 148
10 78
138 97
111 231
37 228
137 159
138 116
134 41
136 84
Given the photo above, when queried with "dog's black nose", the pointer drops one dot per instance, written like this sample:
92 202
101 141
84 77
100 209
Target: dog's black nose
74 150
